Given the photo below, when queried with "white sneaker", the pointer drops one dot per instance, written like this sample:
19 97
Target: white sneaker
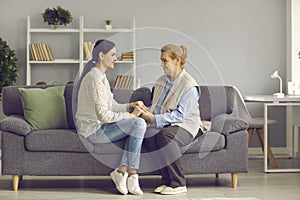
160 188
120 181
169 190
133 185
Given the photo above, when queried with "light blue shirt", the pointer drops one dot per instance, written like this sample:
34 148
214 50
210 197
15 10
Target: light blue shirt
184 108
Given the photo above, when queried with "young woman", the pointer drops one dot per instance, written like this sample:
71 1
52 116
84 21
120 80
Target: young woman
175 111
100 119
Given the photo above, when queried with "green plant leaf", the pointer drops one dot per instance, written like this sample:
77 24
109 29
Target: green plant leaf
57 16
8 67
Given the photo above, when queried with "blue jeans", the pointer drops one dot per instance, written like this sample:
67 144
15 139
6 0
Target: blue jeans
133 128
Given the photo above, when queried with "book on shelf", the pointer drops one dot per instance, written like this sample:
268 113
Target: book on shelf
127 56
33 52
46 53
40 52
88 48
50 52
124 81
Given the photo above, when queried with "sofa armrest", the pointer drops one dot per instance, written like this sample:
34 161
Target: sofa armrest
15 124
227 124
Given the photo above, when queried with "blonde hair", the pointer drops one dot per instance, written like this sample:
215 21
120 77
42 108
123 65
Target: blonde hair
175 52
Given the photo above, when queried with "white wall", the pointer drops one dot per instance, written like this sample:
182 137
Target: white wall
293 62
294 68
238 42
237 38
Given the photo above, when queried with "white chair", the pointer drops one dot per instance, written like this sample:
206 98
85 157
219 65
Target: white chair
256 125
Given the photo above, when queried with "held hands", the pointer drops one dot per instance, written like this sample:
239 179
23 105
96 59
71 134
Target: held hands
137 104
148 116
140 110
139 107
136 112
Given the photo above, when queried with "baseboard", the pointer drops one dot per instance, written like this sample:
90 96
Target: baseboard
277 151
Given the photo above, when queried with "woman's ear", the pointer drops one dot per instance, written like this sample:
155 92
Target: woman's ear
177 61
101 55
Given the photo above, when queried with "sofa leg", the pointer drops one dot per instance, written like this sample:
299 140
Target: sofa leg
217 175
234 179
15 180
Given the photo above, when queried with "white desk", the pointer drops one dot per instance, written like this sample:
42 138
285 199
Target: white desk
270 100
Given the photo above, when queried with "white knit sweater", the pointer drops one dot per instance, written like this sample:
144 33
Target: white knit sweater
96 105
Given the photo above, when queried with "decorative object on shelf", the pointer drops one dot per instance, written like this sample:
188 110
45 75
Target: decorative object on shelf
124 81
83 37
299 54
127 56
41 83
108 25
57 16
41 52
8 66
280 94
88 48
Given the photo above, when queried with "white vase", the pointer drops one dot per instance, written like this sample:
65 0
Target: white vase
108 27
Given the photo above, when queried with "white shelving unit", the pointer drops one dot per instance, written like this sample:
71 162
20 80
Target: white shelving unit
83 34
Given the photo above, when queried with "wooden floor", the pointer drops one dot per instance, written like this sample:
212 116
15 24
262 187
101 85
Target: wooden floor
255 184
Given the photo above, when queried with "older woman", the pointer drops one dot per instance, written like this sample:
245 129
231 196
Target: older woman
175 111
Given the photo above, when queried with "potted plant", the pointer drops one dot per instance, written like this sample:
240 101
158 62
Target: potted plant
108 25
57 16
8 66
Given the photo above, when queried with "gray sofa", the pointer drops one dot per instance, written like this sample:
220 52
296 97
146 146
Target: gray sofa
62 152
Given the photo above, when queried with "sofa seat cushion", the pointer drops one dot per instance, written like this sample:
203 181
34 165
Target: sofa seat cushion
63 140
110 148
55 140
207 142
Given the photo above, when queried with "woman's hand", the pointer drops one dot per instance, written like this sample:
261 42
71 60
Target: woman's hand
148 116
137 104
136 112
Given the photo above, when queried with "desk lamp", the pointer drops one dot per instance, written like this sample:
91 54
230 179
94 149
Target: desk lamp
280 94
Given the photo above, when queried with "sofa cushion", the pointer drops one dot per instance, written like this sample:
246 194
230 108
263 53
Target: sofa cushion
227 124
216 100
207 142
44 108
142 94
55 140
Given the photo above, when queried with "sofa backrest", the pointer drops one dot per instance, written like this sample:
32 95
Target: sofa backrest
12 102
11 99
214 100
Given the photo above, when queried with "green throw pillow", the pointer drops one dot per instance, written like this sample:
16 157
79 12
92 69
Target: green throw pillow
44 108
